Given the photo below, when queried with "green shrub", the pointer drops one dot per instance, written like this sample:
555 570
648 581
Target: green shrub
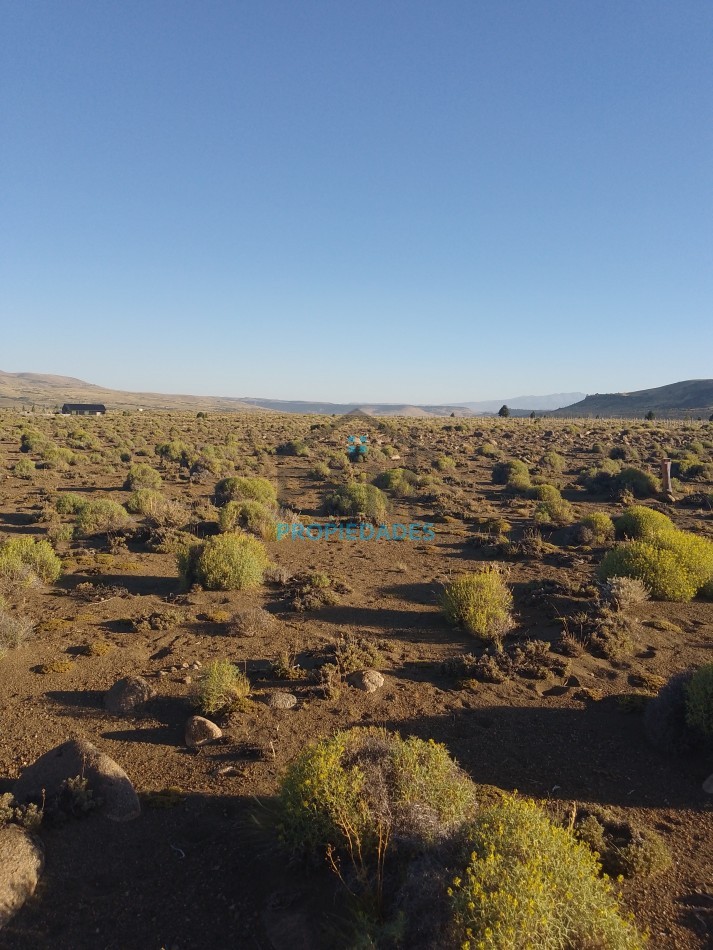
225 562
363 790
552 507
515 474
174 451
444 463
101 516
69 503
659 570
596 529
295 447
553 461
250 515
241 487
480 603
219 687
641 484
156 508
640 523
699 700
31 441
399 481
320 470
24 468
357 500
38 556
142 476
527 883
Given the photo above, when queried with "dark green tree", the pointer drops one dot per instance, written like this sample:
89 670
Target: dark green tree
503 412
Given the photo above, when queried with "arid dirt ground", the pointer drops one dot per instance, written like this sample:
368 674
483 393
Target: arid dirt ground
203 871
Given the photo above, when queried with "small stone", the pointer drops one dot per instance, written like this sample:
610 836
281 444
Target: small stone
708 785
196 665
184 666
281 700
367 680
200 731
21 863
187 679
128 695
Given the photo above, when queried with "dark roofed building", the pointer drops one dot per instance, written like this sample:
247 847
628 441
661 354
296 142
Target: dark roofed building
83 409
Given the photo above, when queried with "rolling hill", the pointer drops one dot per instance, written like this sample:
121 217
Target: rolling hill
690 397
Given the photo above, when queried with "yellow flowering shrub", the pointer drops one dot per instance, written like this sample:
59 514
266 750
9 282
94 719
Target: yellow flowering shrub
528 883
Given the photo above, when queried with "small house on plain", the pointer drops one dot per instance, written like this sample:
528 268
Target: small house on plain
83 409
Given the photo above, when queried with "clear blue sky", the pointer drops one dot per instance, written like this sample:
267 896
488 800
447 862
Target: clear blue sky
397 200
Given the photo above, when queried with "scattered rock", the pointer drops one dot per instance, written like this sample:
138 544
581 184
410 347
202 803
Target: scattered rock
200 731
106 779
21 863
708 785
281 700
368 680
128 696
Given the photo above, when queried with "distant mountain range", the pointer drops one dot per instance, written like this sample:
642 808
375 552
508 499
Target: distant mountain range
555 401
23 390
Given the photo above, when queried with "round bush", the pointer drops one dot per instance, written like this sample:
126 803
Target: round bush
249 515
699 700
240 487
695 554
480 603
225 562
142 476
38 556
641 484
357 500
24 468
659 570
401 481
101 516
68 503
363 788
527 883
639 523
597 529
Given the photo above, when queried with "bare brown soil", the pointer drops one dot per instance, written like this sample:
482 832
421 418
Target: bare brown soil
205 871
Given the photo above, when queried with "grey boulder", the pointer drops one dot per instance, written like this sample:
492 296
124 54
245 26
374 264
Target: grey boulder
107 780
200 731
367 680
128 696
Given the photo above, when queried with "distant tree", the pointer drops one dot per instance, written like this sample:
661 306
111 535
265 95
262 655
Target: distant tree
503 412
532 414
650 415
710 418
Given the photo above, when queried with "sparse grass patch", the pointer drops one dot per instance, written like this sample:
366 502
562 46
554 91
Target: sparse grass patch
220 687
